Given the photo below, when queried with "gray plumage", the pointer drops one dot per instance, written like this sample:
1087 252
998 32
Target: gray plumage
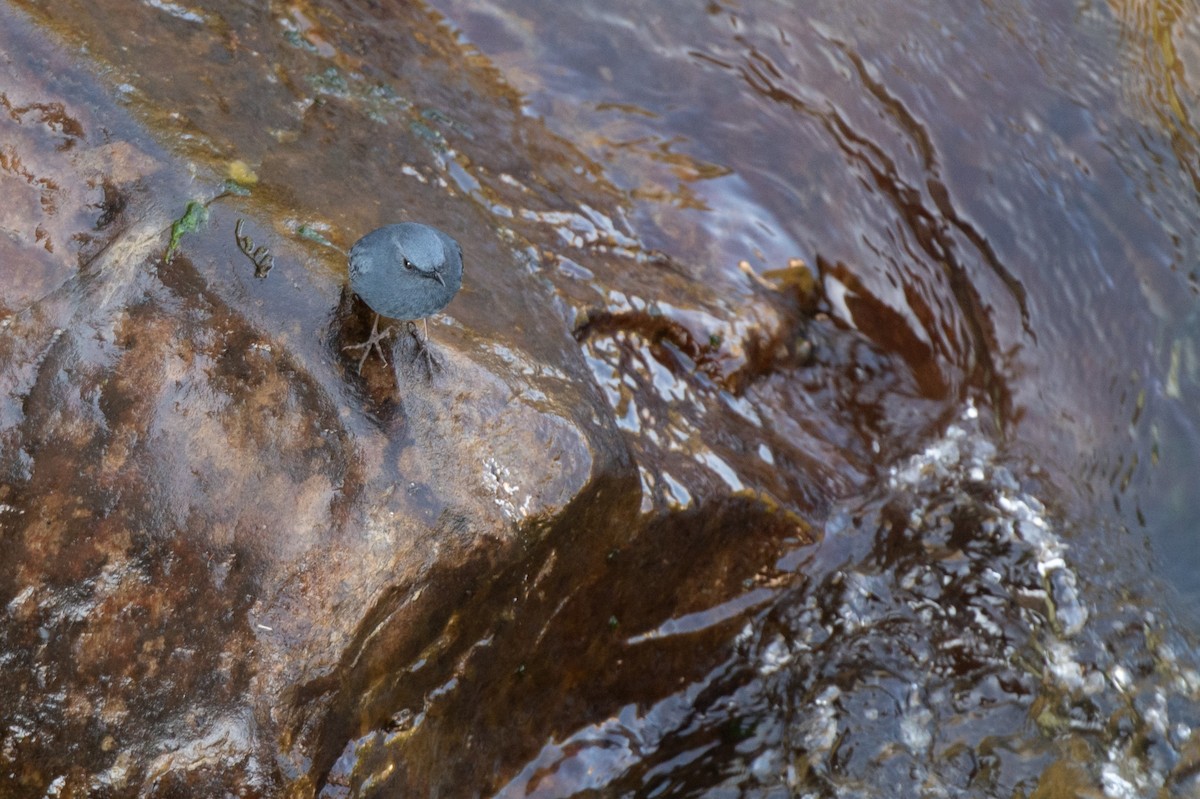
405 271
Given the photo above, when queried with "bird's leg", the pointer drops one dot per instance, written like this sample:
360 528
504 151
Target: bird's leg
423 346
372 343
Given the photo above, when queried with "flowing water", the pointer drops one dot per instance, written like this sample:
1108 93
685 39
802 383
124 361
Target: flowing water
1005 196
894 303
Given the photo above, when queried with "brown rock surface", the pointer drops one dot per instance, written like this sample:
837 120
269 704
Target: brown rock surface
230 558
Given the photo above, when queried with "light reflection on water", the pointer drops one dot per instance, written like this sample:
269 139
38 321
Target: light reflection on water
1007 198
910 662
1022 216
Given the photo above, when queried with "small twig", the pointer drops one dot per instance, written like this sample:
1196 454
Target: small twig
261 257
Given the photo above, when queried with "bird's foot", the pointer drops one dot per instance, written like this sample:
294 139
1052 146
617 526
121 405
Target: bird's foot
423 350
372 343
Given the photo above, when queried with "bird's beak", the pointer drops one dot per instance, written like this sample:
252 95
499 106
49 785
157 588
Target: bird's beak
438 275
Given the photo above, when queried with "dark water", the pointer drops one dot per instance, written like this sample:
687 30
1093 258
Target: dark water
931 534
1016 182
1016 185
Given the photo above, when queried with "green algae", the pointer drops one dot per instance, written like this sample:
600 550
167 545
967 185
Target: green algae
193 218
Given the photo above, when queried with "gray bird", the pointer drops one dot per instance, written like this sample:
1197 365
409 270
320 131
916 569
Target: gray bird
405 272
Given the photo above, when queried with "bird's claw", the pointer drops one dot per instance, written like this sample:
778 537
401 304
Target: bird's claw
423 349
372 343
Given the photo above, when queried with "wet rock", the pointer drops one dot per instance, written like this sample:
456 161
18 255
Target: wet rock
238 565
220 541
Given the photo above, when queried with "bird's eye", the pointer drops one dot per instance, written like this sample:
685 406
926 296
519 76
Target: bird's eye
408 265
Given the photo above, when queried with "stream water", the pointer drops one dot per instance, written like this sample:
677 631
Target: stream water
1013 187
894 306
